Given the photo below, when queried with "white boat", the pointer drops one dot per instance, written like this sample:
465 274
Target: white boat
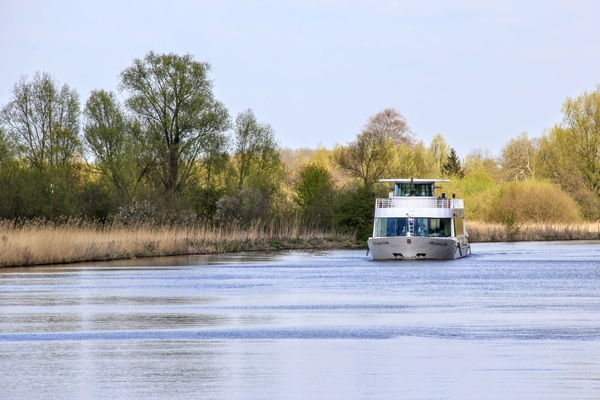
414 223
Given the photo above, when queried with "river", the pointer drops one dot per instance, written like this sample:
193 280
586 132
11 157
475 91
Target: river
514 320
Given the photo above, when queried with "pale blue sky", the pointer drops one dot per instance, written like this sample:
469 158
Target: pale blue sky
478 72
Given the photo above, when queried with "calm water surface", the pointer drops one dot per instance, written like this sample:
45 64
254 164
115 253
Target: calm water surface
518 321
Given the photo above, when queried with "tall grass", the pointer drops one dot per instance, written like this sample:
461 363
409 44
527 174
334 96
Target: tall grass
42 242
495 232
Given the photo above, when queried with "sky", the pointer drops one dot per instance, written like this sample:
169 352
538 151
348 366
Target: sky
477 72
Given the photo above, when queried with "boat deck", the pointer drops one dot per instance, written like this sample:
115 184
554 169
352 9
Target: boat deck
419 202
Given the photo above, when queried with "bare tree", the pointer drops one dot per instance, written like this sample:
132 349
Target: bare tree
518 158
389 125
369 156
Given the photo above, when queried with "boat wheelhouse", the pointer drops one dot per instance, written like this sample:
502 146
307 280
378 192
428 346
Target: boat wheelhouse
414 223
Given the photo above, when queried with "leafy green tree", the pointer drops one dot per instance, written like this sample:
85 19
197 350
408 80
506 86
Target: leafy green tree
570 153
172 99
355 211
477 187
563 167
20 194
257 170
247 205
97 198
43 120
110 138
581 124
439 150
315 196
9 182
211 180
481 161
214 162
256 153
7 152
452 166
411 161
370 156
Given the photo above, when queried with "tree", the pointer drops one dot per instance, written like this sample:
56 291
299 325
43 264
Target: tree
9 178
172 99
314 196
389 124
109 137
6 148
581 123
563 166
411 161
452 166
518 158
369 157
482 161
257 170
570 153
439 150
256 151
355 211
43 120
215 160
211 180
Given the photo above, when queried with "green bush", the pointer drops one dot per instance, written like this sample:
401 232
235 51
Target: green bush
355 211
532 201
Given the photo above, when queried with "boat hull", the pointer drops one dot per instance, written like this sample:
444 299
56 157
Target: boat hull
417 247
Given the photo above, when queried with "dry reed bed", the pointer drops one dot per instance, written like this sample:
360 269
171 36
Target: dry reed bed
37 243
492 232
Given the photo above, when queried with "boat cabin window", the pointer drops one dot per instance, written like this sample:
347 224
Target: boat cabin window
390 227
414 189
434 227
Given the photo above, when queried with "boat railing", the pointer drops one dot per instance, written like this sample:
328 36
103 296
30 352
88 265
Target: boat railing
415 202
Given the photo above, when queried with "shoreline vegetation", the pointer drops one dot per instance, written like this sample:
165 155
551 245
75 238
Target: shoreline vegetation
532 232
152 164
43 243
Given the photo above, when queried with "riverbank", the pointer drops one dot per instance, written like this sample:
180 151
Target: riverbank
532 232
40 243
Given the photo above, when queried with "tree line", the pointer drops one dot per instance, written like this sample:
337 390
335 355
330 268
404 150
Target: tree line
169 151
